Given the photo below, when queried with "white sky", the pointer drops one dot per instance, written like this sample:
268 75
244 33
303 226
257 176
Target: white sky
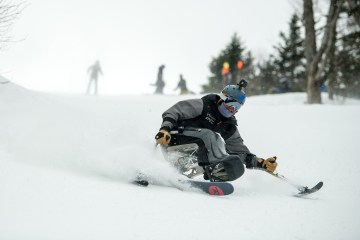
61 39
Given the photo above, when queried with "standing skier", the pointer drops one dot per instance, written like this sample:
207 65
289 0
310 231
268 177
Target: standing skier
182 86
160 84
210 123
94 71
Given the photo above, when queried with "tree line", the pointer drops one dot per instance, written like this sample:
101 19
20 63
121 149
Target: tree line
317 52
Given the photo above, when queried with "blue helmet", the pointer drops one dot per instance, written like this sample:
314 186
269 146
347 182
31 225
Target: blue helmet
233 93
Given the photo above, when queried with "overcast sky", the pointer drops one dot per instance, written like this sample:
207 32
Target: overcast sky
62 38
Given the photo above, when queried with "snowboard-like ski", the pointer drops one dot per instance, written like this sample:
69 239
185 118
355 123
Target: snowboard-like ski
212 188
306 191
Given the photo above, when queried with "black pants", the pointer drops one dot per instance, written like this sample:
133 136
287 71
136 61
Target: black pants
232 164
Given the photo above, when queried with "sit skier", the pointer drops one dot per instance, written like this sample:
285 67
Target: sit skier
210 123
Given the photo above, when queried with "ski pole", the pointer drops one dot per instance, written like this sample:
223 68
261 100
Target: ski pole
284 179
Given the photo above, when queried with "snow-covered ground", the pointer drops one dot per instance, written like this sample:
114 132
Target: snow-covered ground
65 164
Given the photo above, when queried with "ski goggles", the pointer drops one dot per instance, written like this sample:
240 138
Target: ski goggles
232 105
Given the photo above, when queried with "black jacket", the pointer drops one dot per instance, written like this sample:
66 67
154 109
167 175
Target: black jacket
204 113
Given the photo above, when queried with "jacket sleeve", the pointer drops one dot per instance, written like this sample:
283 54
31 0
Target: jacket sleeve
182 110
235 146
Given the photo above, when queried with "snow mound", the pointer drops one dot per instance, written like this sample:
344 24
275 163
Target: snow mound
13 94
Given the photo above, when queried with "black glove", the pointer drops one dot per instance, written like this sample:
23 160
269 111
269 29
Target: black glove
269 164
163 137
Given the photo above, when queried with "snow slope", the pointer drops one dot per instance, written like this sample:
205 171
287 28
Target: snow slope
65 164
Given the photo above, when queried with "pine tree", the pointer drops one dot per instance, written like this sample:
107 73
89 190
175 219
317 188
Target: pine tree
348 65
266 79
233 53
290 59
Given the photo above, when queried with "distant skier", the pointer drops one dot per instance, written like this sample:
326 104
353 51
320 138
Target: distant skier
182 86
160 84
94 71
210 123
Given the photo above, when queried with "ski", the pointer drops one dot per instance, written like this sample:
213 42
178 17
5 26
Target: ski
211 188
141 182
141 179
306 191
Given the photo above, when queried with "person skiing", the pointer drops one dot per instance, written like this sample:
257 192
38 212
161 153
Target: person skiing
94 71
160 84
210 123
182 86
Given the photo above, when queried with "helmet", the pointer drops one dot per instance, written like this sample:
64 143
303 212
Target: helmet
233 98
233 93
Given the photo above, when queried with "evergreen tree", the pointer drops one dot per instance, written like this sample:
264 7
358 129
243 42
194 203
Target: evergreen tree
266 79
348 64
290 59
343 71
231 55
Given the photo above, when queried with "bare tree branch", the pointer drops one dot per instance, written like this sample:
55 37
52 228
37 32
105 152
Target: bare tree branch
9 12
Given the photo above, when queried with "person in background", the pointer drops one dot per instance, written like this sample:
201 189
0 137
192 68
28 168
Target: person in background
182 86
160 84
94 72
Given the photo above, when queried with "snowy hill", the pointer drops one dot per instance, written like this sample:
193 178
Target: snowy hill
65 164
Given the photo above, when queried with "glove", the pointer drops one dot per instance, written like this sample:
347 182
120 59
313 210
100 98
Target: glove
269 164
163 137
